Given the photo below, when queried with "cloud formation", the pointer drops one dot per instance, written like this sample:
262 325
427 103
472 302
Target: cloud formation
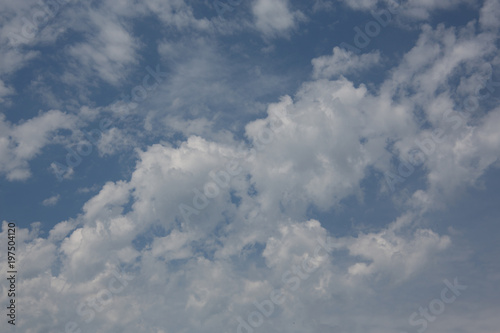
240 228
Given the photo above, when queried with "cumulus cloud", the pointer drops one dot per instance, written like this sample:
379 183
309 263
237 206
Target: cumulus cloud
193 287
394 255
207 229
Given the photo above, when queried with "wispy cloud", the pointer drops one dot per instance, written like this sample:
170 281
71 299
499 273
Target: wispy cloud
52 201
239 184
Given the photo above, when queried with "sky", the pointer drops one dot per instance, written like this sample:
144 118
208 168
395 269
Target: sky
246 166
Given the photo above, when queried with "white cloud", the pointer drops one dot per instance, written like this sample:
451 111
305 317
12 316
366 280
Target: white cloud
177 13
5 91
490 15
412 9
312 149
110 52
171 284
52 201
456 156
343 62
202 90
114 140
22 142
392 256
25 25
274 17
13 59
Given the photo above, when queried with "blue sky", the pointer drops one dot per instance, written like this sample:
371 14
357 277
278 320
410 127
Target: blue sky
198 153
